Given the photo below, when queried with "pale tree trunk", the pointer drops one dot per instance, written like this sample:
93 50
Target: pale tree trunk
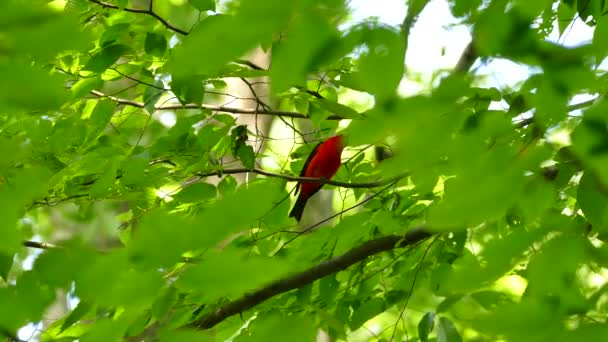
252 94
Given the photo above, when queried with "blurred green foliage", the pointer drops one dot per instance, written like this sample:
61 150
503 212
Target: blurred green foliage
110 140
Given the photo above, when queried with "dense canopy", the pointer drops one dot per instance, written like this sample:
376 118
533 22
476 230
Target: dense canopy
150 149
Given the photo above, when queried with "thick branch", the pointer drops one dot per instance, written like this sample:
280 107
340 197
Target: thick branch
233 110
149 12
303 179
414 9
467 59
310 275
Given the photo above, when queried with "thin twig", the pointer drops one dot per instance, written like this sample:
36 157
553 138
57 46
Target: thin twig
304 179
226 109
249 64
409 295
142 11
309 228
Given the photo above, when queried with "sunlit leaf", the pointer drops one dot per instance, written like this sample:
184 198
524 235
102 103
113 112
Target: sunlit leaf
446 331
156 44
6 263
425 326
105 58
231 273
204 5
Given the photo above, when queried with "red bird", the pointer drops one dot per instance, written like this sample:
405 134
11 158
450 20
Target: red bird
323 162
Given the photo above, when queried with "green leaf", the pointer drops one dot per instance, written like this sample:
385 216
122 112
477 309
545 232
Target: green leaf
75 315
186 335
550 105
425 326
566 14
28 300
588 8
196 192
236 211
28 185
152 95
527 320
368 310
531 9
226 119
446 331
103 185
100 118
337 108
538 196
85 85
109 281
491 300
593 201
188 88
599 37
59 267
229 37
6 263
590 141
30 88
106 58
231 273
380 66
469 272
155 44
294 58
167 299
209 136
328 288
246 155
133 172
105 330
492 30
587 332
218 84
203 5
227 186
447 303
544 283
461 8
275 327
45 34
160 240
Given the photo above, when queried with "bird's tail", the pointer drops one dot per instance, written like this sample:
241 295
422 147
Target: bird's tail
298 208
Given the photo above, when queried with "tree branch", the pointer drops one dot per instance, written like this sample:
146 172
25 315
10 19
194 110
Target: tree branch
303 179
149 12
310 275
249 64
38 245
47 246
467 59
414 9
226 109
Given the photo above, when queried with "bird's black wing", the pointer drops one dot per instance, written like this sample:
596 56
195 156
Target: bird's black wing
310 156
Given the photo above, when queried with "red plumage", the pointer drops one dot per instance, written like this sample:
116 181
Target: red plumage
323 162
